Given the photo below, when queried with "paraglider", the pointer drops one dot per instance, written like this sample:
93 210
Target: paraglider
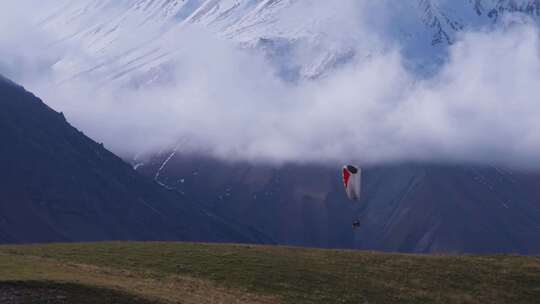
352 180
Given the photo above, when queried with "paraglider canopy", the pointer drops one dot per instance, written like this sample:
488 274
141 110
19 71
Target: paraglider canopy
352 178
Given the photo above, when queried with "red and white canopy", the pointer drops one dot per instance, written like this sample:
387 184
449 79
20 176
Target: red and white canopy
352 179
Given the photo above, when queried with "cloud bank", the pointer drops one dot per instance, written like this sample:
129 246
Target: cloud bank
480 106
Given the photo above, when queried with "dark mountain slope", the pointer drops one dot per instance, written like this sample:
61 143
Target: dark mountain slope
451 209
58 185
408 208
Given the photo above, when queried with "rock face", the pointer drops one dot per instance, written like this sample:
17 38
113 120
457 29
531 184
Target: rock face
408 208
59 185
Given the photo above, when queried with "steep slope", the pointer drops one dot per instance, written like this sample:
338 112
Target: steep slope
59 185
408 208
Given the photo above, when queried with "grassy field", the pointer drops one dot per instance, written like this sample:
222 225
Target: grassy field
205 273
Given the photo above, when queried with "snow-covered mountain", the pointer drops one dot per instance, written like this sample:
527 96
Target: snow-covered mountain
411 207
302 38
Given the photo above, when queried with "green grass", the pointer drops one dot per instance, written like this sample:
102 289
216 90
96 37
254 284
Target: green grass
295 275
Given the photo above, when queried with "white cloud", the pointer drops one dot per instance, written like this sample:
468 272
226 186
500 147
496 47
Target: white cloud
481 106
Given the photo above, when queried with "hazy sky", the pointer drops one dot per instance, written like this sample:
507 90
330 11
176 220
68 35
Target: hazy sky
481 105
